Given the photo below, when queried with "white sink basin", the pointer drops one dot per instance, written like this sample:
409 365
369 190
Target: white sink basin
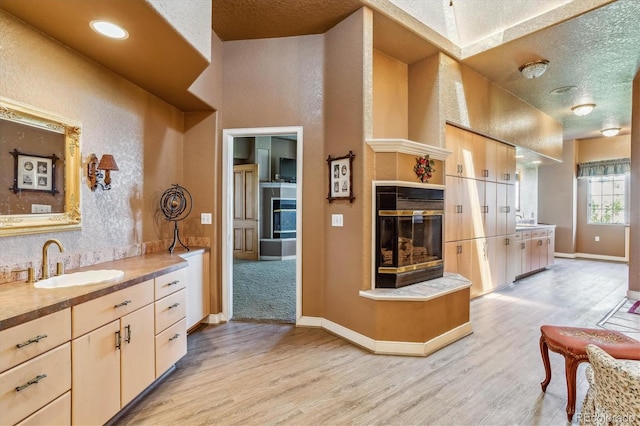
99 276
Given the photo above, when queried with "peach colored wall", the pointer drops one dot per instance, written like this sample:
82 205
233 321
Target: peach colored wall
390 97
347 249
280 82
424 101
557 197
470 100
141 131
612 237
634 249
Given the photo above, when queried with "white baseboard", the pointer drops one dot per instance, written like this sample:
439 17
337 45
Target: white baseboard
591 256
634 295
388 347
215 318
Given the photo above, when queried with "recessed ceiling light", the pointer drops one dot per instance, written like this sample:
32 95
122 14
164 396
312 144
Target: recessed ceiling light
562 90
611 131
583 109
534 69
109 29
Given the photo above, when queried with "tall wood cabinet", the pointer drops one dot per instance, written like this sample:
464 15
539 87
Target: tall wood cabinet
479 210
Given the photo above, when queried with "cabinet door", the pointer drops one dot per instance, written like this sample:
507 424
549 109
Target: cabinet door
137 370
496 260
491 159
477 149
511 208
490 210
514 266
95 395
506 163
197 291
452 165
453 206
551 247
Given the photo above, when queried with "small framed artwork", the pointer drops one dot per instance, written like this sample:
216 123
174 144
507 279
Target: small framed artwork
341 178
34 172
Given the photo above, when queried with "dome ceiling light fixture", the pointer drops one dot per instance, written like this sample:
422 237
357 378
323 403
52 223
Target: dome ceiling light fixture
611 131
534 69
109 29
583 109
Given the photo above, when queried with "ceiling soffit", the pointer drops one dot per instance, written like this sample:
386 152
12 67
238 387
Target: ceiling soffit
166 69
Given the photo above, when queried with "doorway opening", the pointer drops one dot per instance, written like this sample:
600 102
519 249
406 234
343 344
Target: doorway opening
262 223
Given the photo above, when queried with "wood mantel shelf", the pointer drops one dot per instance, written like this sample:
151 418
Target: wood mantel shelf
406 146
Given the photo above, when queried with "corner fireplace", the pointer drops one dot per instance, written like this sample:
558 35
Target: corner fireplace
408 235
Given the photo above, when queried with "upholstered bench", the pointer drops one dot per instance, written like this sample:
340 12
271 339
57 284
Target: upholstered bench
571 342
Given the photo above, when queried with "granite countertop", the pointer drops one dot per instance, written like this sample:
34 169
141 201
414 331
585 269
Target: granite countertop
21 302
420 292
528 227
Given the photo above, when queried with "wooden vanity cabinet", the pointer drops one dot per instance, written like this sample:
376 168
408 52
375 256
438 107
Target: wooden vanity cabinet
36 358
112 363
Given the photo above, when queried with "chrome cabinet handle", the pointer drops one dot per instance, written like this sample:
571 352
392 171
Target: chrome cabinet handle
33 381
173 282
30 341
125 303
118 340
127 334
174 337
175 305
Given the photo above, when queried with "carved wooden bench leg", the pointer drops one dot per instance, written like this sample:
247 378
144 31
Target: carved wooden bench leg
570 367
544 351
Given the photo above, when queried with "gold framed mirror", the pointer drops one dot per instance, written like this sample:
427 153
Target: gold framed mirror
40 167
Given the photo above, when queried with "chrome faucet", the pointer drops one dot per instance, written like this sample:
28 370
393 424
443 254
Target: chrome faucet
45 257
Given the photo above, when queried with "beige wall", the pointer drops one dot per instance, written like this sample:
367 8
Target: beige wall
612 237
634 250
280 82
390 97
143 133
557 197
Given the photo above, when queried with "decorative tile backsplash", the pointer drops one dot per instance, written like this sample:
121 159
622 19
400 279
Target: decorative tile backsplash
17 271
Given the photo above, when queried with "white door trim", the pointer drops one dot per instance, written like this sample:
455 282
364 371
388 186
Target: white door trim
227 213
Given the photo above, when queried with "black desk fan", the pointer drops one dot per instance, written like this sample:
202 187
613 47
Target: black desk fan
176 205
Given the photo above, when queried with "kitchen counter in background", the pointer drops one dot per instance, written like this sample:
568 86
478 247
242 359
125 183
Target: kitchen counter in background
21 301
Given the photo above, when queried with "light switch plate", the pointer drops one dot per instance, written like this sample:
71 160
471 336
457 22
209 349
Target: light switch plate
205 218
336 220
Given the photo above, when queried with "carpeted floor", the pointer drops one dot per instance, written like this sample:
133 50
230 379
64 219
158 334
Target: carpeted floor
264 291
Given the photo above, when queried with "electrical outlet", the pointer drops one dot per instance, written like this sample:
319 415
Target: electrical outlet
205 218
336 220
597 238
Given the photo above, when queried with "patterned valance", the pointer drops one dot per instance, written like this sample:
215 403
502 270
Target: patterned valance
618 166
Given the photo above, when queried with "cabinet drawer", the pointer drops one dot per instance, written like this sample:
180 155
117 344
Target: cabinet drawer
526 235
170 283
56 413
171 345
537 233
170 310
25 341
40 380
97 312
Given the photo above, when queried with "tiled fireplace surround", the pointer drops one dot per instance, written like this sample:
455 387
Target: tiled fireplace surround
89 258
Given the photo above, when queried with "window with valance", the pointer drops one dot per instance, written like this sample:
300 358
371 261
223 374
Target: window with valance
608 190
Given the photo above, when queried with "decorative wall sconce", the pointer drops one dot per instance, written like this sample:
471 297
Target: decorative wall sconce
95 168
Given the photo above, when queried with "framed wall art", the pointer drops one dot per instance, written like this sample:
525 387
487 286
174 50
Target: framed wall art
34 172
341 178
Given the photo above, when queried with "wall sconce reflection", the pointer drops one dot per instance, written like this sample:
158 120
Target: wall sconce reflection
95 168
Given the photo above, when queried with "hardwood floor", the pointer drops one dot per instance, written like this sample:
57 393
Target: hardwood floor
257 374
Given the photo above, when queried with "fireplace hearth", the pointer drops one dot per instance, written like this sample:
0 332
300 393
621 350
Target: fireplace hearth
409 240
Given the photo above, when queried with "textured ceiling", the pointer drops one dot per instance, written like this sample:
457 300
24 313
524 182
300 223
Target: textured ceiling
593 45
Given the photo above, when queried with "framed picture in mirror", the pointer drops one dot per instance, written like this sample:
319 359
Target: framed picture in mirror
34 172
